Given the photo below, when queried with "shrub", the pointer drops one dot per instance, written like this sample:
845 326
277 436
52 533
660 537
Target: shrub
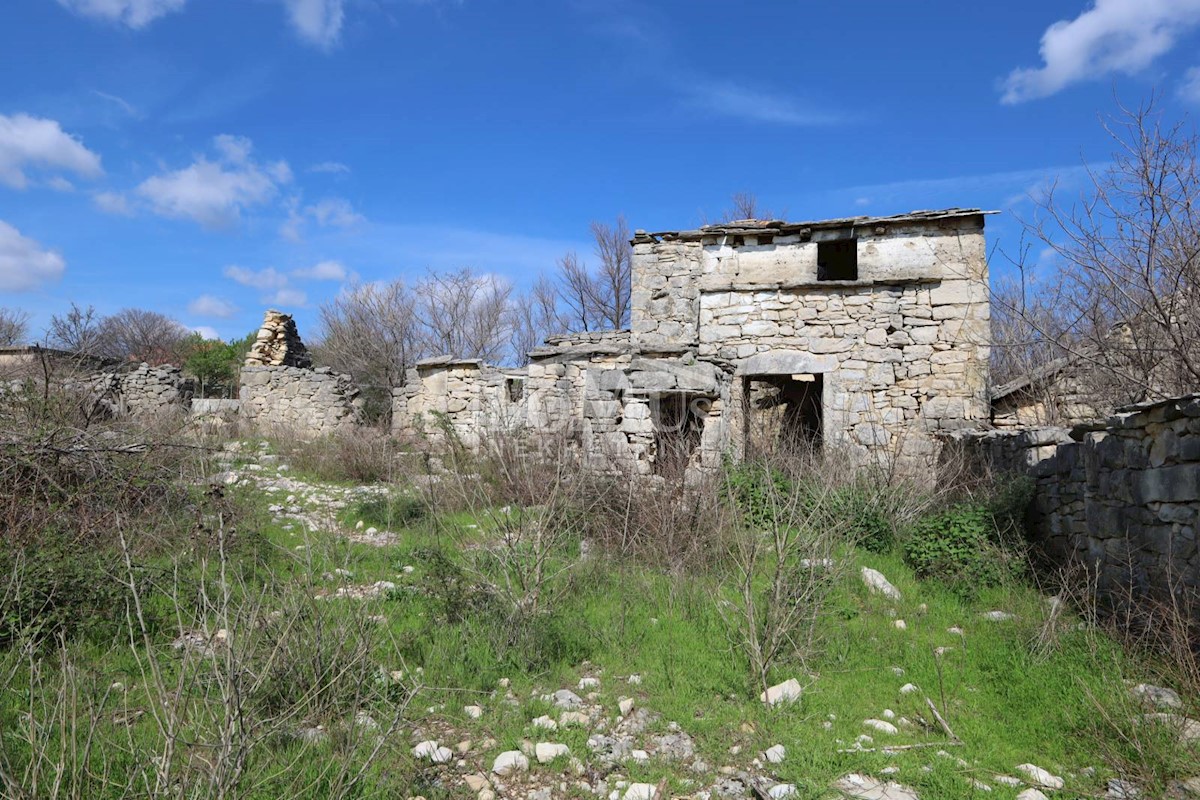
388 511
757 490
355 456
865 517
957 547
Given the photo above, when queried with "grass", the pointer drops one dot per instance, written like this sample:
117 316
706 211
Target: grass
1007 702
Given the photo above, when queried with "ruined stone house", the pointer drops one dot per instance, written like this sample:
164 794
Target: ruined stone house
869 334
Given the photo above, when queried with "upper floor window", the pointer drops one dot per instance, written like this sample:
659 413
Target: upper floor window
837 260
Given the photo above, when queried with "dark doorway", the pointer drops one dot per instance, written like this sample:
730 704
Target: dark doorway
678 425
783 413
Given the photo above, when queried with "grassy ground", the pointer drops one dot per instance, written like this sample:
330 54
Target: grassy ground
1008 699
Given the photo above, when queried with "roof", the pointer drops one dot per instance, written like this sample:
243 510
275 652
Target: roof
751 227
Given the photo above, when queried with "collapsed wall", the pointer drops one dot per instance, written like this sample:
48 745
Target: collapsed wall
1120 497
144 391
281 390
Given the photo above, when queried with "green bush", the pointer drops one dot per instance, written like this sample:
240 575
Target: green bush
59 589
865 516
388 511
958 547
757 490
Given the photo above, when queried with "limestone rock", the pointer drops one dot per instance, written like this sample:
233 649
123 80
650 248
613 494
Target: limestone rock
509 762
548 751
1040 777
864 787
787 692
1152 696
878 584
278 344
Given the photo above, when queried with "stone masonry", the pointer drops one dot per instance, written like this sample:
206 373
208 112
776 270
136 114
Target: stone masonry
278 344
866 334
1120 497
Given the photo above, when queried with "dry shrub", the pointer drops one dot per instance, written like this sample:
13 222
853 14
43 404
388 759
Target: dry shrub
360 454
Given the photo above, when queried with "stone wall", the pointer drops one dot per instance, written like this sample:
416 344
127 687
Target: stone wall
143 391
1121 497
308 402
465 396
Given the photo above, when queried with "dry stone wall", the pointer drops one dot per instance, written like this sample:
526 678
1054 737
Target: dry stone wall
308 402
1121 498
144 391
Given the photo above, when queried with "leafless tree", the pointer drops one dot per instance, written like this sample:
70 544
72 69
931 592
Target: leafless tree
14 326
77 331
1124 302
465 314
534 316
598 298
140 335
371 331
744 205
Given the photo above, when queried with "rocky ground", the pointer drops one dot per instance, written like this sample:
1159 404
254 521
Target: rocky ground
615 718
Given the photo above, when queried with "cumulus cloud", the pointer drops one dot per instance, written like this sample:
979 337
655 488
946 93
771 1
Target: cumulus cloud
133 13
324 271
206 305
287 297
262 279
33 142
332 212
25 264
112 203
318 22
215 193
1112 36
206 331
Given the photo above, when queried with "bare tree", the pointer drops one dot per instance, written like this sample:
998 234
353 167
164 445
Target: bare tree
14 326
465 314
533 316
1128 251
371 331
598 299
77 331
140 335
744 205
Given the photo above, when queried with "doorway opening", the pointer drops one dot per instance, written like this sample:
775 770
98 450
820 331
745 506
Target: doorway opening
783 413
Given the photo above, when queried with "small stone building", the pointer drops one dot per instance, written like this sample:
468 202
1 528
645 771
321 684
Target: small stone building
868 334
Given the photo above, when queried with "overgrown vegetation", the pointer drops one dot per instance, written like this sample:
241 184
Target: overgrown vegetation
164 637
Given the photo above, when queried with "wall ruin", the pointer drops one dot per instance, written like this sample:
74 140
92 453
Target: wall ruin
1120 497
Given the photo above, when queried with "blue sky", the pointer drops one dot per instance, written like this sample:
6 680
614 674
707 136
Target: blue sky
210 158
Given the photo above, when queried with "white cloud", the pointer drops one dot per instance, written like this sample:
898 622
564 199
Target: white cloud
134 13
1189 90
729 99
332 212
215 193
60 184
324 271
330 167
287 297
206 331
1112 36
318 22
206 305
263 279
25 264
112 203
27 141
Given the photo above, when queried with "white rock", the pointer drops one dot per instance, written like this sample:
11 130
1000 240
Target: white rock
639 755
900 625
545 723
509 762
1156 696
625 704
909 688
431 751
888 714
1040 777
998 616
775 754
1031 794
641 791
881 726
548 751
956 631
474 712
565 698
586 684
1007 780
634 680
782 791
864 787
573 718
980 786
878 584
787 692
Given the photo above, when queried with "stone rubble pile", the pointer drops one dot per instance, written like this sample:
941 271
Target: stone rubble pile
278 344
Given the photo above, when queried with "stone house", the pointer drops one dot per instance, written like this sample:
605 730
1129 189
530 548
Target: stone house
869 334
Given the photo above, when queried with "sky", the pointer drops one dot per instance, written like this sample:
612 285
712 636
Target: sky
213 158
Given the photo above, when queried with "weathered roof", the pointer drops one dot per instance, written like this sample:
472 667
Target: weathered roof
778 227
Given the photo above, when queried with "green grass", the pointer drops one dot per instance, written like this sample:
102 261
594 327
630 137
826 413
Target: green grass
1007 705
